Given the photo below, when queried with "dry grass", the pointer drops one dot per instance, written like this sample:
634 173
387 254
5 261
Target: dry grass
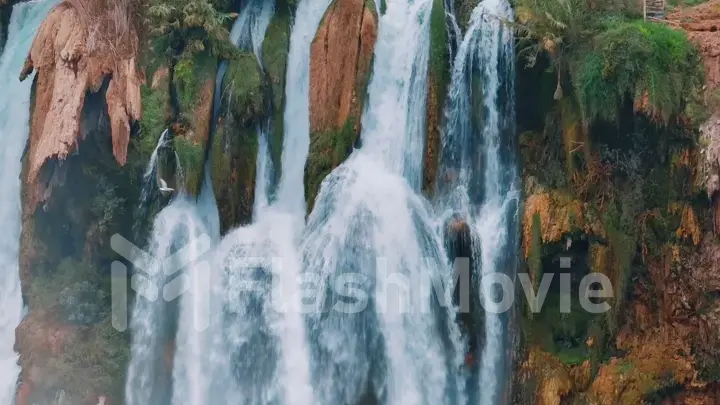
111 25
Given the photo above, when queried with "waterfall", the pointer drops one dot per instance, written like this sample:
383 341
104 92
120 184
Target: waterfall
14 128
378 333
478 176
398 90
179 237
263 177
253 350
257 338
291 190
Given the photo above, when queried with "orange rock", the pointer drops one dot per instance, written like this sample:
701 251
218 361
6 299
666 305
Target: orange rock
553 382
69 63
340 59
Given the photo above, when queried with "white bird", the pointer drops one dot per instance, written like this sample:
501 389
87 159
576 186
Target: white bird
164 187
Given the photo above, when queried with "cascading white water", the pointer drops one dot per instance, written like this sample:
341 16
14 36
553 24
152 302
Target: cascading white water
394 119
478 174
258 342
371 237
14 129
180 225
264 173
296 144
254 350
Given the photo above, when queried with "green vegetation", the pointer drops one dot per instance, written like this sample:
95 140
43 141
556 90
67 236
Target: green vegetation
244 87
642 61
190 75
439 52
181 29
672 4
96 363
463 11
156 114
191 155
610 59
234 158
274 56
327 151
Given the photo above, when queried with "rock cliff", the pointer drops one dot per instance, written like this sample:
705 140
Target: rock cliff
340 65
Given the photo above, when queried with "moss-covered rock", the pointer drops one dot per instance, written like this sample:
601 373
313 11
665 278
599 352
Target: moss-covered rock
438 80
340 68
193 89
274 59
463 11
234 155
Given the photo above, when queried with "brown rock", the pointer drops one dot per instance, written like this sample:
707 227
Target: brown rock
341 55
434 109
551 380
67 67
702 24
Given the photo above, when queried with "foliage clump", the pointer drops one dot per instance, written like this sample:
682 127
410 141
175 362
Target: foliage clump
654 65
245 88
181 29
602 58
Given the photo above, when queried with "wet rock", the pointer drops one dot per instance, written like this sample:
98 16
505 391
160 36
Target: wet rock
340 63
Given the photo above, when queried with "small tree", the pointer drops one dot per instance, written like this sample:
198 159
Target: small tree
181 29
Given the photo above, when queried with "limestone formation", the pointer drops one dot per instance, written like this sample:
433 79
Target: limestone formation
67 69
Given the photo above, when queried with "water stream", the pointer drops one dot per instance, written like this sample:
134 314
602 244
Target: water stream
14 129
478 176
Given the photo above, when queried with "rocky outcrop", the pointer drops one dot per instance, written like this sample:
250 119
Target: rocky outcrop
438 80
340 63
77 190
68 67
235 147
340 59
702 24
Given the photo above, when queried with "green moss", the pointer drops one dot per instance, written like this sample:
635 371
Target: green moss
191 157
243 85
372 6
439 53
155 116
327 151
634 59
234 156
463 11
275 53
190 74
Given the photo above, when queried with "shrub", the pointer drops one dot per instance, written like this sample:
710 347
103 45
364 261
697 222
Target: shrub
654 65
181 29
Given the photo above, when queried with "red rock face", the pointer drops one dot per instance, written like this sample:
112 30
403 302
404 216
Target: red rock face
702 23
341 54
67 68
